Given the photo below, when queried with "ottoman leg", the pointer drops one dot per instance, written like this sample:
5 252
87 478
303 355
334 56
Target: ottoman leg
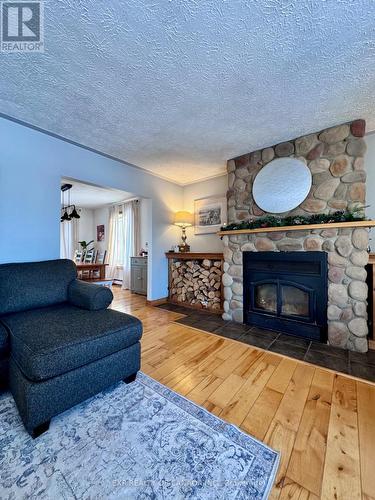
40 429
130 379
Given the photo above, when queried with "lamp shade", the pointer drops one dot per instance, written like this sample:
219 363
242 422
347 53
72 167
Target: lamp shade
183 219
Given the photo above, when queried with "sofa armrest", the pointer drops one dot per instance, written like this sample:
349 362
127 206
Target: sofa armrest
89 296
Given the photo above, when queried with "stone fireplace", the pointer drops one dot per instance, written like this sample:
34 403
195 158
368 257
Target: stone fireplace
335 159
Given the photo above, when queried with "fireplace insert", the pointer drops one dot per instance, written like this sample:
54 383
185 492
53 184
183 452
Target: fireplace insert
287 292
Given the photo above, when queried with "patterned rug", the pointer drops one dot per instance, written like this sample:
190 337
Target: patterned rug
138 441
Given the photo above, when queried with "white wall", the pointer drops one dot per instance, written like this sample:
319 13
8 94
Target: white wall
216 186
101 217
86 230
31 167
144 230
370 183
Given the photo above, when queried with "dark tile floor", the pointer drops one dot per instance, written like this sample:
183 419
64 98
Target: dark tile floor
340 360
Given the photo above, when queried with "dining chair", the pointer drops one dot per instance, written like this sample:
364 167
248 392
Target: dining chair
101 256
78 255
100 259
90 257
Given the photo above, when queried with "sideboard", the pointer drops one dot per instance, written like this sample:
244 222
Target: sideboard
138 275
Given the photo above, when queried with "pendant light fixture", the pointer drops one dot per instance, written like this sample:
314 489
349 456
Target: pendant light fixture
69 211
74 214
65 217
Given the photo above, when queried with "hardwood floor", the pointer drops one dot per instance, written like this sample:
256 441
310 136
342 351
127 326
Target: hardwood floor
322 422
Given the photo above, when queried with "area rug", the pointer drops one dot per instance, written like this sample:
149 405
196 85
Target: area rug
138 441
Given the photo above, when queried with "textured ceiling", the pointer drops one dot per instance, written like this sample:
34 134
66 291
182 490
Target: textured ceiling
178 87
89 196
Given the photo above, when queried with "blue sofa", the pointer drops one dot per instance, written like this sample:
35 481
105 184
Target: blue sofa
59 344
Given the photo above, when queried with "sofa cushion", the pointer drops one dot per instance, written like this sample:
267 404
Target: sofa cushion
49 341
4 341
34 284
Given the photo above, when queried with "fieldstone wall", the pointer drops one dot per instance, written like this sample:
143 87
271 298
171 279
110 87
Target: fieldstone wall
335 158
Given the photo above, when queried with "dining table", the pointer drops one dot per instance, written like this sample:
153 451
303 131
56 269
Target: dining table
90 267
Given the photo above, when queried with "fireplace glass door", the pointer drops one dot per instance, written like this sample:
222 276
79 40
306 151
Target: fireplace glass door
266 297
294 301
283 299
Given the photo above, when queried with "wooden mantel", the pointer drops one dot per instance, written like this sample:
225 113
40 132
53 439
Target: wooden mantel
194 255
336 225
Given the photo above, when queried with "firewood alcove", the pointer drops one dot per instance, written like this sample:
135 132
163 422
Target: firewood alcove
195 280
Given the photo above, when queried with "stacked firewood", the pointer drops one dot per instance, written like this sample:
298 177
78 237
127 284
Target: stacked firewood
197 283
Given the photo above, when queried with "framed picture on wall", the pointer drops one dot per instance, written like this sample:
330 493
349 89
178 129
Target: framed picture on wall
100 234
210 214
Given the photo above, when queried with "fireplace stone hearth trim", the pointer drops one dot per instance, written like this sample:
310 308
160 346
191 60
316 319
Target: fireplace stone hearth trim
335 159
347 289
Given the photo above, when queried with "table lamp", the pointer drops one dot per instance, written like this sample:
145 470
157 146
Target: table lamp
183 219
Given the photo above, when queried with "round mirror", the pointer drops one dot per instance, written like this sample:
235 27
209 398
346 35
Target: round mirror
282 185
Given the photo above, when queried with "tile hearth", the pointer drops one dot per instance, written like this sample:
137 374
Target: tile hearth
361 365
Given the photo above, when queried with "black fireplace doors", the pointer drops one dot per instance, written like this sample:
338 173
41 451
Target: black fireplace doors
287 292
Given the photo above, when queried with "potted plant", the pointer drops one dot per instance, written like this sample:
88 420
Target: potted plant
85 246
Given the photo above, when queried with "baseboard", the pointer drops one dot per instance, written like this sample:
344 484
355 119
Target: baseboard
157 302
371 344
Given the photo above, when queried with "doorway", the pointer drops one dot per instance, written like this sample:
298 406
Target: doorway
104 231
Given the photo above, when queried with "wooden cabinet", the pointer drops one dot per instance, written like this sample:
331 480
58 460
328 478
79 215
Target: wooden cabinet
138 274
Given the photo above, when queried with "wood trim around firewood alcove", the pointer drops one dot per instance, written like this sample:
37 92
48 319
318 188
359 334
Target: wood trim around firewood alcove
194 255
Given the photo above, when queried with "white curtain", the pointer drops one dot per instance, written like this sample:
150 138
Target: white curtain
124 227
116 232
68 238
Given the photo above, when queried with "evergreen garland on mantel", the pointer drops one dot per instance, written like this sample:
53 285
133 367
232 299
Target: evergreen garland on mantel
355 214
